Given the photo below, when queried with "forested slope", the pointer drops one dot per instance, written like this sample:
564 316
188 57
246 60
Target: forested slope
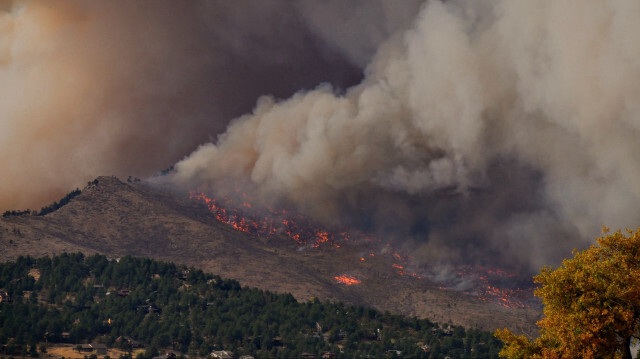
73 298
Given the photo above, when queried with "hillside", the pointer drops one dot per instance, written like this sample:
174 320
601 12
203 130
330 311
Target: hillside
119 218
77 299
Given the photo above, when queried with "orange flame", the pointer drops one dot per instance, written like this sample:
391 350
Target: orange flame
301 230
486 291
295 227
347 279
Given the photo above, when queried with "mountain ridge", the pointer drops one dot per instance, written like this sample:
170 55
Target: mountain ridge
118 218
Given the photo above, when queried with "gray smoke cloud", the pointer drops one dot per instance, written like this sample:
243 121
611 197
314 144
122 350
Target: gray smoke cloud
489 131
129 88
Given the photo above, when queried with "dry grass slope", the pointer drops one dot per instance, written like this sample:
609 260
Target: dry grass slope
120 218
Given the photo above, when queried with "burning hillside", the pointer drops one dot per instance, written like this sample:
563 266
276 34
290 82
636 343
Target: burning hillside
274 222
239 212
120 218
347 279
492 285
488 132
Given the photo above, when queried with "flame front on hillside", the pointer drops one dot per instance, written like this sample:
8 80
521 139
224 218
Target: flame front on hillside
492 285
485 284
347 279
275 222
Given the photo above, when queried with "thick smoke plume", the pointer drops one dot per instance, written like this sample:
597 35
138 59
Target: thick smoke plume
130 87
488 131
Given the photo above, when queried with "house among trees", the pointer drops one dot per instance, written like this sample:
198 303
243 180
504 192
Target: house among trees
130 342
100 349
277 341
4 296
222 354
426 348
308 356
328 355
84 348
167 355
124 292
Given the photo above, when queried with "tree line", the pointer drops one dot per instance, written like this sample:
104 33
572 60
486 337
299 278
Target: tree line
46 209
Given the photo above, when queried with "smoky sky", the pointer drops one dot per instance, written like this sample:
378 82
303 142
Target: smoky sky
128 88
487 132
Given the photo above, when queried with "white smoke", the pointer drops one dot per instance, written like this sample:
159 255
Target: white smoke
92 88
497 128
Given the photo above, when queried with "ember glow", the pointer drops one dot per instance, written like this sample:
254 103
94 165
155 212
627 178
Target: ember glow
496 285
347 279
486 284
275 222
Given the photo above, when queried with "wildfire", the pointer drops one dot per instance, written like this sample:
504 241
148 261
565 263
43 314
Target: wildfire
347 279
276 222
486 284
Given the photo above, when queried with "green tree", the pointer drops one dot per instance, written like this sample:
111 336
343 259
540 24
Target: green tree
591 304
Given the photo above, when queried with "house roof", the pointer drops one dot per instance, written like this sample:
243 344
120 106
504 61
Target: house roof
222 354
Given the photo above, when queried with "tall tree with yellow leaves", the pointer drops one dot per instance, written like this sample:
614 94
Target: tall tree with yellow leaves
591 304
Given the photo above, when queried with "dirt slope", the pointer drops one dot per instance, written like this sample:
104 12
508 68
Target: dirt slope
119 218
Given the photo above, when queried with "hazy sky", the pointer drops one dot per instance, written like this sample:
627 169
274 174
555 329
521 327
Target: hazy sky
488 131
130 87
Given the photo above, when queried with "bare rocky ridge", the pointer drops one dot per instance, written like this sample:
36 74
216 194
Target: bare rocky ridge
119 218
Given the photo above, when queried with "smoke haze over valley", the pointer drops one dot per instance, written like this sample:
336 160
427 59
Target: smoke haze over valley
485 132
